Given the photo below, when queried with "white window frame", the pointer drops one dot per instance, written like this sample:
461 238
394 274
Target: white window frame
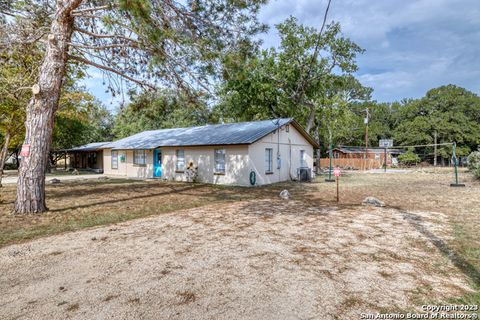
180 160
219 161
268 160
114 164
139 157
303 159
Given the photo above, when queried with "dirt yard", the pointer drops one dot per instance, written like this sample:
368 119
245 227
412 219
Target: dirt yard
236 253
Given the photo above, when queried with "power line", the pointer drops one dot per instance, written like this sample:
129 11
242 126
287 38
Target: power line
396 147
425 145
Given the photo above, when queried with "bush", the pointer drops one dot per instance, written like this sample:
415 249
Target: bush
10 166
409 158
474 163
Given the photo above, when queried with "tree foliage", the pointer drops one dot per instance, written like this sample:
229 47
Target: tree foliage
409 158
146 42
163 109
474 163
80 120
450 111
308 70
17 74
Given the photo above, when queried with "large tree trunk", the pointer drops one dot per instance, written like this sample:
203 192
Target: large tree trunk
41 112
4 154
317 160
311 117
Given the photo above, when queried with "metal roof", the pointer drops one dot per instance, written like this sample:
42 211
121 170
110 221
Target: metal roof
220 134
90 146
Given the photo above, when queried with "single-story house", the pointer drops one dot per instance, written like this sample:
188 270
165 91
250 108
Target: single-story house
87 157
373 153
274 150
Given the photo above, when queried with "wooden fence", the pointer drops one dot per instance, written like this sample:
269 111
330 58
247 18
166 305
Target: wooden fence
360 164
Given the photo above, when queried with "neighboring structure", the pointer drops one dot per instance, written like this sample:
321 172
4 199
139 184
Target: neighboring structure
11 160
86 157
274 150
372 154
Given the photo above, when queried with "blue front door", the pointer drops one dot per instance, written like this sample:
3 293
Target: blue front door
157 163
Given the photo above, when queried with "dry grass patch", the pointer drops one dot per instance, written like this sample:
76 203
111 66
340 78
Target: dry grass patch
75 205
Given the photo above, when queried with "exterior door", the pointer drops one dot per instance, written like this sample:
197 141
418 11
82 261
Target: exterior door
157 163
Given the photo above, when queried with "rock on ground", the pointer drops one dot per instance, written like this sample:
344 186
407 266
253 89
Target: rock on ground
285 195
373 201
55 181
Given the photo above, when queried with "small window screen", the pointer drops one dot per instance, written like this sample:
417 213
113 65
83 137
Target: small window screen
220 160
114 159
268 160
303 160
180 165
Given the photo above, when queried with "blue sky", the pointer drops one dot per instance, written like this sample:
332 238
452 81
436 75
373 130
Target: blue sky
411 46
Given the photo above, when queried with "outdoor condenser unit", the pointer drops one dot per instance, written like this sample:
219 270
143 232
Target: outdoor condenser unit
304 174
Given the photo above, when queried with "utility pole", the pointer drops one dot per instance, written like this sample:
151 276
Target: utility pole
435 149
366 139
330 166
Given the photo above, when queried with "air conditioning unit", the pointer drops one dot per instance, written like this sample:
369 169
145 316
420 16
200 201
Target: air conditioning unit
304 174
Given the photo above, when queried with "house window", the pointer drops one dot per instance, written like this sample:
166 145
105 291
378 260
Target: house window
114 159
268 160
180 165
377 156
139 157
287 128
220 161
303 161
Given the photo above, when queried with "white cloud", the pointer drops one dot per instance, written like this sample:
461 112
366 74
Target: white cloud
411 46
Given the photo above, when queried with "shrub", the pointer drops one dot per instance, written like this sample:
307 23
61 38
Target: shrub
409 158
474 163
10 166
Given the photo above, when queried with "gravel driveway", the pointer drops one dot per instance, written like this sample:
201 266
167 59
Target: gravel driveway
247 260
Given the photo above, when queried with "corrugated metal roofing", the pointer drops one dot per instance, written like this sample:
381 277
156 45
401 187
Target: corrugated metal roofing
221 134
90 146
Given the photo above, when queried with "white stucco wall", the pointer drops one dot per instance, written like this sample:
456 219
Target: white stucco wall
127 168
288 144
236 164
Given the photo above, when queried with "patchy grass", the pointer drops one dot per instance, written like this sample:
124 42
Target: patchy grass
75 205
426 190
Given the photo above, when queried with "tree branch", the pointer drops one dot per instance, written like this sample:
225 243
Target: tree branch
69 7
105 7
107 46
102 67
88 16
104 36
